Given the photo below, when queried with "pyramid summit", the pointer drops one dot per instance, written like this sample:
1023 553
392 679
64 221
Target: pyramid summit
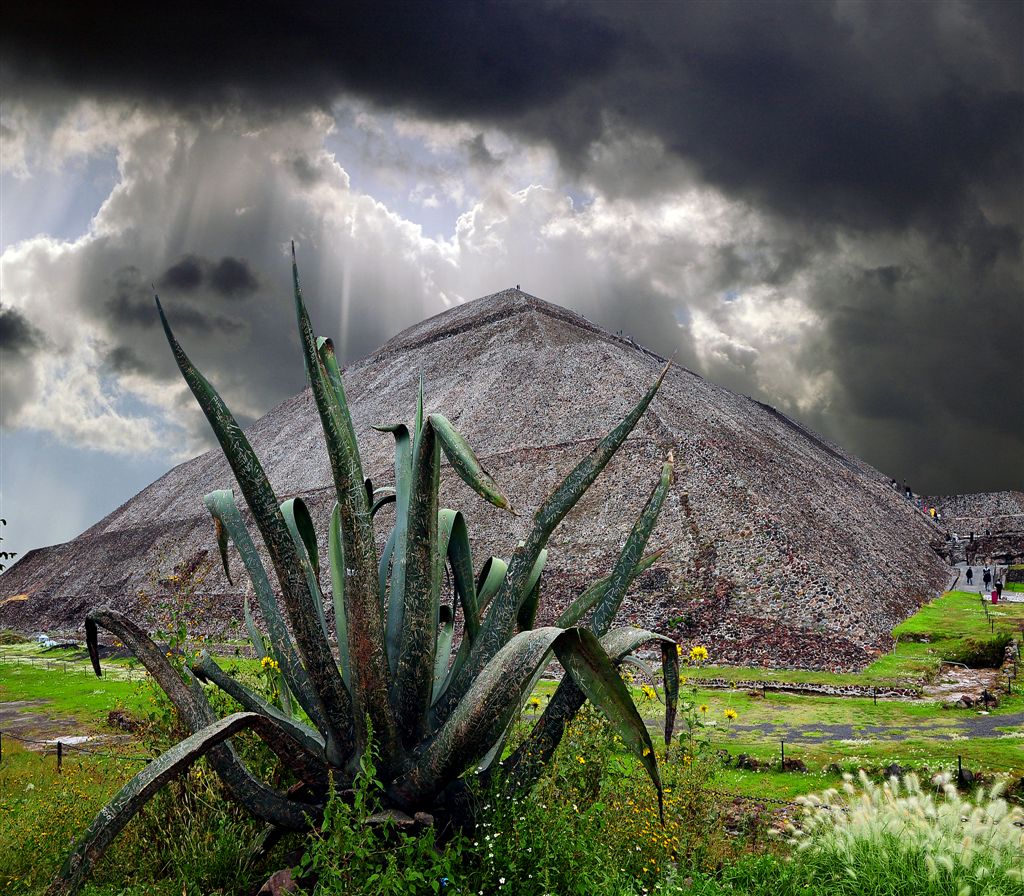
780 548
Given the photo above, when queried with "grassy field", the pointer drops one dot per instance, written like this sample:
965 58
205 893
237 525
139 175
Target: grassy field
821 731
830 735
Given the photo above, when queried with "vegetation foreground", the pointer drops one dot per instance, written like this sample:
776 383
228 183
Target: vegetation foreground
369 753
588 827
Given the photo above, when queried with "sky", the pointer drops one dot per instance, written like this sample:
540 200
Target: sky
817 204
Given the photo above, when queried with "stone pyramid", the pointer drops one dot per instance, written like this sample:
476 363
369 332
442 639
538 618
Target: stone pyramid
781 548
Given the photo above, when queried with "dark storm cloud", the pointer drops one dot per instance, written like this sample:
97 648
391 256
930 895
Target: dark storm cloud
17 334
882 142
448 57
230 277
131 303
862 115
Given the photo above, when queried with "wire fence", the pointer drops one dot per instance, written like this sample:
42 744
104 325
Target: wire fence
72 666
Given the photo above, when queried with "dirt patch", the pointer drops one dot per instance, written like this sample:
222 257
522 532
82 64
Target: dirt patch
38 731
955 683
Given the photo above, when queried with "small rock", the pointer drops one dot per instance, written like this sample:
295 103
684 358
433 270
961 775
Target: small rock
279 883
965 778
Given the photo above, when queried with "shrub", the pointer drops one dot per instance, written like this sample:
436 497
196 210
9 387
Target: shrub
980 653
919 842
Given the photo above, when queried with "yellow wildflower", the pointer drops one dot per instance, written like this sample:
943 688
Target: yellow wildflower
730 714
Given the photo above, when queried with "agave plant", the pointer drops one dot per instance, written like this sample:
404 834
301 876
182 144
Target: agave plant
386 666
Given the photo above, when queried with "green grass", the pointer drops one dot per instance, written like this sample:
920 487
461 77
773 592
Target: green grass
74 692
958 614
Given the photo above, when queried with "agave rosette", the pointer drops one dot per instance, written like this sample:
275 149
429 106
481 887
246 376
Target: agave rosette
384 664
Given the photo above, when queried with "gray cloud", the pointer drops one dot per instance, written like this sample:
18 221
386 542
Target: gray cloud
229 277
17 334
20 341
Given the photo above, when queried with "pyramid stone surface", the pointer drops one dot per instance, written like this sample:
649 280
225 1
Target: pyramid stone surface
780 547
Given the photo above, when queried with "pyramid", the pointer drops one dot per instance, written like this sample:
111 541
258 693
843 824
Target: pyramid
780 548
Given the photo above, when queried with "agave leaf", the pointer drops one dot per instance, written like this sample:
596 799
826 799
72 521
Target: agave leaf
524 765
294 510
412 684
645 670
460 557
465 463
368 664
586 601
443 652
313 647
255 637
221 505
528 611
403 491
336 552
194 709
300 524
382 501
385 565
445 521
498 693
592 671
325 349
134 795
620 642
302 752
501 619
625 568
492 574
487 584
222 547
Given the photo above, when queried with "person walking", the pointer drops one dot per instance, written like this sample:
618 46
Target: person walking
986 578
970 575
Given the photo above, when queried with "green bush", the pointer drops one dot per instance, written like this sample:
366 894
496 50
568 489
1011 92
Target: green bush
980 653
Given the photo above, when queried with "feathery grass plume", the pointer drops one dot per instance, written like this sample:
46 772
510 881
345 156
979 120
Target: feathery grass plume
930 841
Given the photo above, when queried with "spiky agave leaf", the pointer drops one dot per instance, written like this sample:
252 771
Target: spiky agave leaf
304 751
194 709
336 553
502 617
313 647
528 610
297 518
368 664
498 692
583 604
395 550
222 507
412 683
523 766
620 642
136 793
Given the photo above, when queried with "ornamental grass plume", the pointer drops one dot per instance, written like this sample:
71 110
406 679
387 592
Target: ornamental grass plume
931 842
